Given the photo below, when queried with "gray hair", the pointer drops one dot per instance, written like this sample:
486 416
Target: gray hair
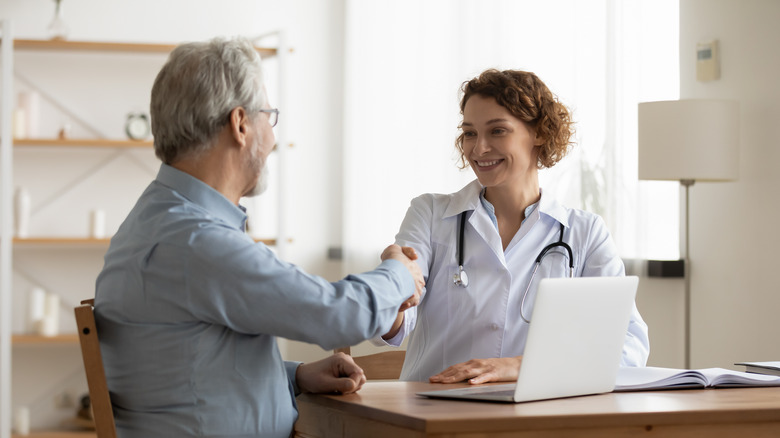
195 91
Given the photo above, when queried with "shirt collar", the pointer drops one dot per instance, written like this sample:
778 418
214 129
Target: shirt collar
203 195
468 198
549 206
464 199
492 210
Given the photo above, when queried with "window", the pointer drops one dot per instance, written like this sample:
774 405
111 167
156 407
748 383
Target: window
405 62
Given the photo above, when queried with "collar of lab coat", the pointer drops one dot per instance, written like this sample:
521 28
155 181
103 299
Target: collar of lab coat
467 199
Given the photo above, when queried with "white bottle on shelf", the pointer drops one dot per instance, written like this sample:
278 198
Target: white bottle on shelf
50 324
22 421
29 103
97 219
22 212
36 309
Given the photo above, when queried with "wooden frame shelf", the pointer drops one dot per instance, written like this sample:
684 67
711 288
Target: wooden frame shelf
89 241
94 46
59 241
36 54
83 142
63 339
57 434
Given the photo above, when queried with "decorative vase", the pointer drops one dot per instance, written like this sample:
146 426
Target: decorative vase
57 29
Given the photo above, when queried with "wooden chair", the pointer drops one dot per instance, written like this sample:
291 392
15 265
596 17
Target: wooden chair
379 366
96 375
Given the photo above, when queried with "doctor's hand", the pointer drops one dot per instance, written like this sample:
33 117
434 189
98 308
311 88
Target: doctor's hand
476 371
337 373
407 256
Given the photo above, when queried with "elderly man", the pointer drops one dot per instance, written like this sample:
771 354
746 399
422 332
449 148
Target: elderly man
188 306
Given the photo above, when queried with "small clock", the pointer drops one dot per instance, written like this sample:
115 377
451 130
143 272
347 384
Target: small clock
137 126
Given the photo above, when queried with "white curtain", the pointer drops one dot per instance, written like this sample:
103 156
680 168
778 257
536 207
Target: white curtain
405 62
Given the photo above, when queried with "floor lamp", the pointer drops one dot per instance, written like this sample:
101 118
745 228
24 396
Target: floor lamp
688 141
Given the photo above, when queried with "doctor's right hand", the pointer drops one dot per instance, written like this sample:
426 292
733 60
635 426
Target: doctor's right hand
407 256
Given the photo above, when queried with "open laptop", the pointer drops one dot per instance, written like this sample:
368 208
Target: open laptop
574 345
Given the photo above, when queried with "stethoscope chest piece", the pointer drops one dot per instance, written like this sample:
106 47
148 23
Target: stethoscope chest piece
461 278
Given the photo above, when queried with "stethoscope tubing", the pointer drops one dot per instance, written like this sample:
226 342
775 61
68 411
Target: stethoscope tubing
462 279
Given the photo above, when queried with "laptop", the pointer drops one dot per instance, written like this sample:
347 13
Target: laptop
574 345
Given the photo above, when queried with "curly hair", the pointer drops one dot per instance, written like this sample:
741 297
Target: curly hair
528 99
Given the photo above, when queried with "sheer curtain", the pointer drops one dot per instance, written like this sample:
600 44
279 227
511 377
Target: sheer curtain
405 62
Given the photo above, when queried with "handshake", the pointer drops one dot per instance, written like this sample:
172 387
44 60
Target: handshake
407 256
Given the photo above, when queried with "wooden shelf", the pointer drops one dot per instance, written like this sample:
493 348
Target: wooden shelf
83 142
57 434
94 46
89 241
64 339
60 241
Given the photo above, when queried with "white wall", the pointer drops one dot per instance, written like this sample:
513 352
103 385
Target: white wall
733 225
310 113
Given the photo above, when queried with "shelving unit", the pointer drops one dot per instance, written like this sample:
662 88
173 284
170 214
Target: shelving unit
98 46
9 246
84 142
57 434
83 241
36 340
59 241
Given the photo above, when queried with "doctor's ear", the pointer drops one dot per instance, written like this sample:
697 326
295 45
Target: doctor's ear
538 139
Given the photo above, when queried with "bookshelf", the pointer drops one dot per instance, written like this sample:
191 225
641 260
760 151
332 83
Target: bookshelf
52 246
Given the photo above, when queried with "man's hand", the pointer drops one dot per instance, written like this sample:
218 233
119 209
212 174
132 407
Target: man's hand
501 369
337 373
407 256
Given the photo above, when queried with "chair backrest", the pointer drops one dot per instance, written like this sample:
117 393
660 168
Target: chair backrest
96 375
379 366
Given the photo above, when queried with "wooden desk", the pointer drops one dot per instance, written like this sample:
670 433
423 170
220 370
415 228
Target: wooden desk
391 409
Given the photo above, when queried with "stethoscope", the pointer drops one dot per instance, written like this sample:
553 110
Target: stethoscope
462 279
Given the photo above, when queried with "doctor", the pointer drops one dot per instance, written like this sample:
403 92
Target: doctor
471 323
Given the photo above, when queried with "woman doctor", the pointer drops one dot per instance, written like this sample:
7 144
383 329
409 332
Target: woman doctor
472 329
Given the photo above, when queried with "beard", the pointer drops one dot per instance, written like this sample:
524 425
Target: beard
261 185
257 165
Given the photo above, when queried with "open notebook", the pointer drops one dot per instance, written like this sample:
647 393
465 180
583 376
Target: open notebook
648 378
575 341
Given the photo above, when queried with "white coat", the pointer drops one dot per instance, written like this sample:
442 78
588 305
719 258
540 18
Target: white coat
453 324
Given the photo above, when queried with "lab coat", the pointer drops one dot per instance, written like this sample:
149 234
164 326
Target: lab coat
453 324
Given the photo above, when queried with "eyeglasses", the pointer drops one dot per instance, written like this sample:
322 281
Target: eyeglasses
273 115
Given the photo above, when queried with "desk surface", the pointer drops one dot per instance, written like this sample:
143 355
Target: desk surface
393 409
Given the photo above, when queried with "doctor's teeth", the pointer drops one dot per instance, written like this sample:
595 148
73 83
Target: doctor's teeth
486 163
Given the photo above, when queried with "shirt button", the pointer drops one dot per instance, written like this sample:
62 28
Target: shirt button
494 326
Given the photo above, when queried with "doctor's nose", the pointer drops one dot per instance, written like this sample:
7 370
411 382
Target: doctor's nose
481 145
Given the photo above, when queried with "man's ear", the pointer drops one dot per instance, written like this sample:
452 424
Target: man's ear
239 125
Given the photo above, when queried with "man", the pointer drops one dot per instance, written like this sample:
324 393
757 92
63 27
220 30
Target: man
188 306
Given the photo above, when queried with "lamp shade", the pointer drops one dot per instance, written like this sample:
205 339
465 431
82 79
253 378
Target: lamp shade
696 139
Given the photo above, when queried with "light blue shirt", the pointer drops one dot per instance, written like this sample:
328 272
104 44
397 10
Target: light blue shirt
491 211
453 324
188 307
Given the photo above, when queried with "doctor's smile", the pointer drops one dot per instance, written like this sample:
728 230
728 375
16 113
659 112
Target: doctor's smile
487 165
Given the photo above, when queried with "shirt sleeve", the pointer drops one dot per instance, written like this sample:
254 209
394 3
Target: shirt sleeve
292 368
410 316
235 282
602 260
415 232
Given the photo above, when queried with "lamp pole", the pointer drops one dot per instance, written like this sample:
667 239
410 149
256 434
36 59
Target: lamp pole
687 183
